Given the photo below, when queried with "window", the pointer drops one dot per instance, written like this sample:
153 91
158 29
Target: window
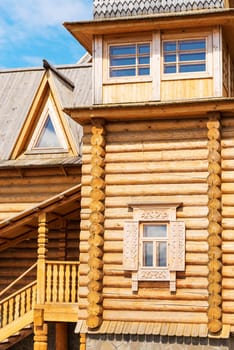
184 56
48 136
129 60
154 245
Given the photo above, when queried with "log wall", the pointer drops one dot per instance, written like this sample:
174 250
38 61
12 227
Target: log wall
161 161
23 188
227 219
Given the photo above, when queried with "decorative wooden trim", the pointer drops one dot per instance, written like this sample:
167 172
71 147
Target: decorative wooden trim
217 62
96 228
155 66
97 69
214 228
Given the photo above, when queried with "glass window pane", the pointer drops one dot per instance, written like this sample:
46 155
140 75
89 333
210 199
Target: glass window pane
155 231
125 61
144 49
144 60
169 46
170 58
185 68
48 137
170 69
193 56
123 72
123 50
187 45
148 254
161 254
143 71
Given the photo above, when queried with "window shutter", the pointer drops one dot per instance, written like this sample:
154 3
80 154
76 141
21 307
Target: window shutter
130 245
176 246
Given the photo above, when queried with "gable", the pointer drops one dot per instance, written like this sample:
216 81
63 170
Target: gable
45 130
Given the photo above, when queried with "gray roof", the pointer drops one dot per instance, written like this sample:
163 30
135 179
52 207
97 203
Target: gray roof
17 91
121 8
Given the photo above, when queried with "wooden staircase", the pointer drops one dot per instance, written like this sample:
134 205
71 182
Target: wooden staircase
17 315
59 295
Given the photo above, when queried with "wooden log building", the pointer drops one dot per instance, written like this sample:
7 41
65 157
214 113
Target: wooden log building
117 185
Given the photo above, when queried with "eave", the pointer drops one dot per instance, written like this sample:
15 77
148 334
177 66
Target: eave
152 110
85 31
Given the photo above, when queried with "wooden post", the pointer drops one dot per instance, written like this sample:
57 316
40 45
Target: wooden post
42 251
96 229
82 341
61 339
41 328
214 228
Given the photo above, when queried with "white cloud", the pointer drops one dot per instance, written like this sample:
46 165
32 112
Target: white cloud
19 18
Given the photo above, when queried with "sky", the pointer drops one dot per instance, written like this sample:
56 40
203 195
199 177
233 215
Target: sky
32 30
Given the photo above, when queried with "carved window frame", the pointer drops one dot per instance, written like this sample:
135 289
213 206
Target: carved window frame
165 214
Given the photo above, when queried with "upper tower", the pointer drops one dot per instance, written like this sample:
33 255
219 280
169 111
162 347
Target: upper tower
159 51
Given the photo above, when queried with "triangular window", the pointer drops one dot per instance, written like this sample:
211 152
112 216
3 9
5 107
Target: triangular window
48 137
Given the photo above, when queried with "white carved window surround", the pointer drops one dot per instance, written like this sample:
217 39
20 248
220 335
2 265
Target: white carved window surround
154 244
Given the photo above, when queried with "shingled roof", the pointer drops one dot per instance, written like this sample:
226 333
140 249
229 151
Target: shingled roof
121 8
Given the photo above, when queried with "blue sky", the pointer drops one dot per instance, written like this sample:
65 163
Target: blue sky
31 30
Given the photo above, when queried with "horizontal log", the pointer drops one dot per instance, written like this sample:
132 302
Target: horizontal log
227 211
155 305
155 178
175 124
189 134
147 156
136 146
228 258
196 247
197 259
228 199
142 190
227 188
154 167
123 201
228 247
147 316
228 164
228 235
228 223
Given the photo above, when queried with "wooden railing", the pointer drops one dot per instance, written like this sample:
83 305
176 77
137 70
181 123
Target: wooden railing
18 304
61 282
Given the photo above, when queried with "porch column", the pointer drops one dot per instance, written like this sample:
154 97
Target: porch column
40 327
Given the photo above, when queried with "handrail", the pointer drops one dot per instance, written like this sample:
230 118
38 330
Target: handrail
18 279
61 262
18 292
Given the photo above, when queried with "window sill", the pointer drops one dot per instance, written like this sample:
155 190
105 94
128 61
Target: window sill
127 80
188 76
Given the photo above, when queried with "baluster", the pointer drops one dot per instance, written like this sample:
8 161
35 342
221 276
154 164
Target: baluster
28 299
48 283
34 295
61 283
55 283
73 284
67 283
17 306
11 310
22 303
5 313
